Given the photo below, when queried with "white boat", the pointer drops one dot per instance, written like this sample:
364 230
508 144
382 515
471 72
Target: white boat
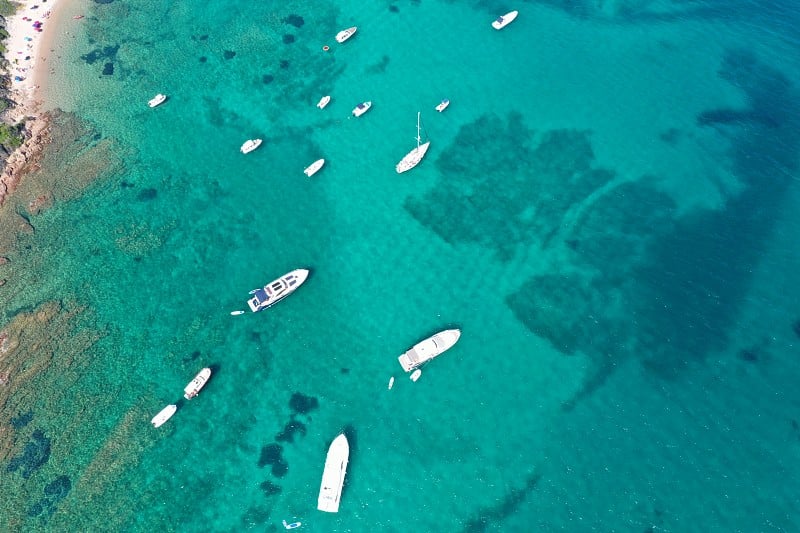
157 100
276 290
428 349
323 102
442 105
413 157
293 525
391 382
250 145
415 375
505 20
193 388
314 167
330 491
343 35
361 108
164 415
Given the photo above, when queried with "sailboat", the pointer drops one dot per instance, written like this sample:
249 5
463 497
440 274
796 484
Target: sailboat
413 157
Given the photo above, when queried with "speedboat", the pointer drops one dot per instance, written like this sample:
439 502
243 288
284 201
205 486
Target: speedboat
293 525
276 290
250 145
314 167
343 35
330 491
193 388
442 105
323 102
164 415
415 375
157 100
505 20
428 349
361 108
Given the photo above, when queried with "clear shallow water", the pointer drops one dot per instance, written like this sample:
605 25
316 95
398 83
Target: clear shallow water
605 211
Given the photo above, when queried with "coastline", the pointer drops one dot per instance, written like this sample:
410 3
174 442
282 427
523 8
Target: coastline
30 35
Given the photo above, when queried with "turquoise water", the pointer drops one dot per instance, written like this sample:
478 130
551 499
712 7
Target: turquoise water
606 211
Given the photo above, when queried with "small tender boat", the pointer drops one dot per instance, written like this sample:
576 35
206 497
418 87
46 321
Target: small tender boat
193 388
428 349
293 525
250 145
157 100
415 375
343 35
330 491
442 105
276 290
164 415
361 108
505 20
237 313
323 102
391 382
314 167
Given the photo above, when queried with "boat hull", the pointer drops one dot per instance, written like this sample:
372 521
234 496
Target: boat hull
323 102
343 35
250 145
362 108
431 347
276 290
330 490
157 100
193 388
505 20
164 415
443 105
314 167
412 158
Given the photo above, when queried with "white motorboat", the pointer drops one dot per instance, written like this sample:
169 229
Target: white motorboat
330 491
314 167
391 383
412 158
361 108
164 415
157 100
250 145
428 349
193 388
323 102
415 375
293 525
343 35
442 105
276 290
505 20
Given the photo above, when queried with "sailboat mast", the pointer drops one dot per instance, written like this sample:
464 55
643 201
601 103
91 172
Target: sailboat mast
419 138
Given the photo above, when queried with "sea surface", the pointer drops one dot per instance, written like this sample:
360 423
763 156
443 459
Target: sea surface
608 211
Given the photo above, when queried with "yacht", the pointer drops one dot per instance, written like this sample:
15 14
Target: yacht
276 290
428 349
314 167
330 491
361 108
505 20
343 35
164 415
193 388
157 100
323 102
250 145
412 158
442 105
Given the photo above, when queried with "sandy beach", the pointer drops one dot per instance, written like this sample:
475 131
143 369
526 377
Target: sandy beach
28 45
